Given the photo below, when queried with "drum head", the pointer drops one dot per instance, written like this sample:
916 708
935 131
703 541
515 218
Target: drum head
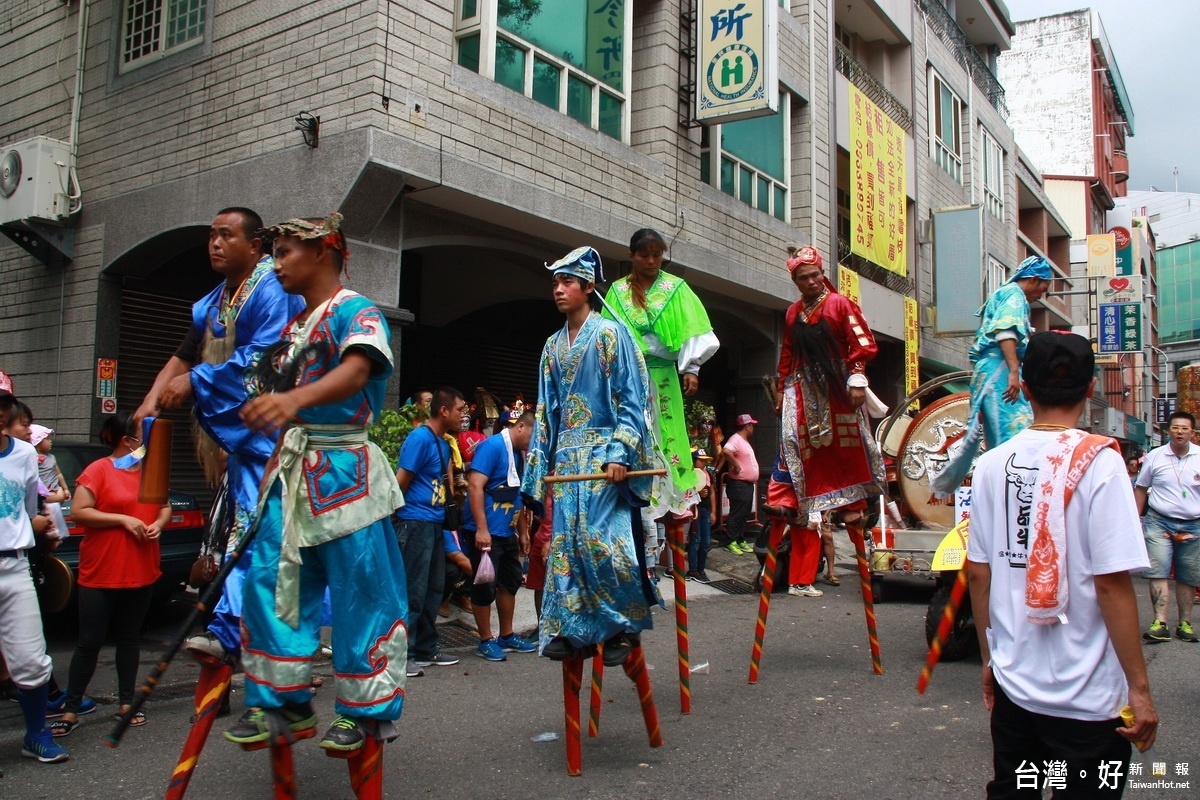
932 438
55 593
895 437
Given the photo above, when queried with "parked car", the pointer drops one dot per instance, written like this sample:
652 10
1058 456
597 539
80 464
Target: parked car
181 539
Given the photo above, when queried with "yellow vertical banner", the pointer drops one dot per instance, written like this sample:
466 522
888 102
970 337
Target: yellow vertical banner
848 284
878 211
912 361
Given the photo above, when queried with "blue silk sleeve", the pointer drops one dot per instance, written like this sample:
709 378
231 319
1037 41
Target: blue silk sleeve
545 433
220 390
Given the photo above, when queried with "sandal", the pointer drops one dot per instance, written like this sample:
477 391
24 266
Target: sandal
60 728
833 580
138 719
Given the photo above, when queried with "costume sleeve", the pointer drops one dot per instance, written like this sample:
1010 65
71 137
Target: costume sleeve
683 318
220 390
545 433
189 348
696 350
365 328
860 341
1006 310
785 351
627 385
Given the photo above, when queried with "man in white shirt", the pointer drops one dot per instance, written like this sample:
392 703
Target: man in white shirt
1053 539
1168 497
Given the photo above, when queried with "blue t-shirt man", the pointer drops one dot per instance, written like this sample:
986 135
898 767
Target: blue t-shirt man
500 501
425 455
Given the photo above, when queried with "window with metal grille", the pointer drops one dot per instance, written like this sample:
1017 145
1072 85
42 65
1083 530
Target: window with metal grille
993 174
570 55
995 277
751 161
153 29
945 126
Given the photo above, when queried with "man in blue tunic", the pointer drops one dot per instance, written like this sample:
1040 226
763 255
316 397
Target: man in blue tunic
231 326
591 419
997 404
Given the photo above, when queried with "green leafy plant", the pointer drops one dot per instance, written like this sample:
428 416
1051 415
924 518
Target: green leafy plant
392 428
696 412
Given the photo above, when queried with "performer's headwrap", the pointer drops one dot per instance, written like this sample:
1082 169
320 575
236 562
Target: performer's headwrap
807 255
328 230
1033 267
582 262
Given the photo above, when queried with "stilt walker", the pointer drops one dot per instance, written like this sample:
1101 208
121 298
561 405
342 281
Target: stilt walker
671 328
590 432
323 520
827 460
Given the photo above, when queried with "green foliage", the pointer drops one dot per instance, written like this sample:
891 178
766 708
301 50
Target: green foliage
518 13
392 428
695 412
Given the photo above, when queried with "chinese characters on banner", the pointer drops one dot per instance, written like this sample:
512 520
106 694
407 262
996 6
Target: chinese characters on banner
605 40
848 284
878 223
1120 327
912 334
736 60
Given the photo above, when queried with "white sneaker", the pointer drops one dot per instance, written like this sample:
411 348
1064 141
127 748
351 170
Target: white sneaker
206 644
796 590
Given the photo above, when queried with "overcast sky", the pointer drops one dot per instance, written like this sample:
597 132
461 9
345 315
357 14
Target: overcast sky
1154 42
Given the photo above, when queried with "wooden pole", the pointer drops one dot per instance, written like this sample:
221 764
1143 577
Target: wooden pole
855 529
210 688
778 526
597 693
572 678
599 476
635 668
949 614
676 541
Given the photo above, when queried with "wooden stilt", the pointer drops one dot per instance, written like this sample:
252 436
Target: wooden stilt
365 764
855 530
283 770
572 679
211 686
677 541
635 668
778 526
597 694
949 614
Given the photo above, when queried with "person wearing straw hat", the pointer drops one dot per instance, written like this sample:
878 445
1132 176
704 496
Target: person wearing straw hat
591 418
999 346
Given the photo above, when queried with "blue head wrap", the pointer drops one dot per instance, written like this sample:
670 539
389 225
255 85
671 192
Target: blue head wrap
582 262
1033 267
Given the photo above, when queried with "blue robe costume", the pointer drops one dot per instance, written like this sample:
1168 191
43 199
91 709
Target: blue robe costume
991 418
256 315
324 521
590 413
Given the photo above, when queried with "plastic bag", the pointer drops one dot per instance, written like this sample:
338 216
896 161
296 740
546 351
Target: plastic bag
486 572
58 523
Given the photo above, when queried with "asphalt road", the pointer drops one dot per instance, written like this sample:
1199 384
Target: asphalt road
818 724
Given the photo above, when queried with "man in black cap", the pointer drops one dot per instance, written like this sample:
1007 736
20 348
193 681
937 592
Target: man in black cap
1054 537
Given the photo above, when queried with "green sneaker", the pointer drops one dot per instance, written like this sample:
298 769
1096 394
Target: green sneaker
1184 631
734 548
344 735
253 727
1158 632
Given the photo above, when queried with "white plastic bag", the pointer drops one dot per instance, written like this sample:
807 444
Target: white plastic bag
486 572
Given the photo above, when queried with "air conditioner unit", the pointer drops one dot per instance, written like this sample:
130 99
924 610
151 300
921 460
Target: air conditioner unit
36 180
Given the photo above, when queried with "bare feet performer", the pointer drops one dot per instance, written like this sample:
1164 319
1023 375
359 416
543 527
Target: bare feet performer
591 419
319 526
828 460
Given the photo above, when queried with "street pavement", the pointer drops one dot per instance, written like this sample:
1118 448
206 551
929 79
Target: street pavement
818 724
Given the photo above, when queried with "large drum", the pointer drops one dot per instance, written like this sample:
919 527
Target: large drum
929 443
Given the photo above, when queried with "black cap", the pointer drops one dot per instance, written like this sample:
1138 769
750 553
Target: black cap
1058 360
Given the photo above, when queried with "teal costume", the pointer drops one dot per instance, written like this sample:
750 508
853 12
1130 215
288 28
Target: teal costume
995 420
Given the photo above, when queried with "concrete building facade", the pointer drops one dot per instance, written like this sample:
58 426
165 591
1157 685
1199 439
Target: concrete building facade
468 142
